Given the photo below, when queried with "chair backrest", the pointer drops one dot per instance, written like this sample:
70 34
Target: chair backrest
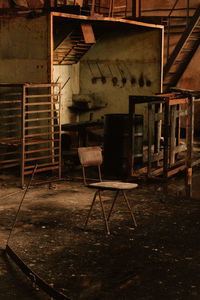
90 156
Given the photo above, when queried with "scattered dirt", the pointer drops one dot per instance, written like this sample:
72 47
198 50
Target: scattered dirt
157 260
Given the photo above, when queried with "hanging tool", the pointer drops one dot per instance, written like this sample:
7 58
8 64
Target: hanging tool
133 79
122 74
114 78
103 78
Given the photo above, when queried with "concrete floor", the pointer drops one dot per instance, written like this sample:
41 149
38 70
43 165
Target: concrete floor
157 260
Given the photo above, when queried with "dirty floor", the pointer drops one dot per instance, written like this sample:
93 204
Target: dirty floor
157 260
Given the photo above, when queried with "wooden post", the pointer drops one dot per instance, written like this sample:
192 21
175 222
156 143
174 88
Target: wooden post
23 134
189 140
172 134
150 126
131 135
166 147
136 8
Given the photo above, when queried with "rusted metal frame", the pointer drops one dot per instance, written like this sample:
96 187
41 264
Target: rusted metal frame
136 8
40 157
9 160
40 127
42 170
10 123
41 142
10 116
41 119
166 138
38 103
133 100
10 165
172 135
150 134
41 95
40 85
7 130
40 134
23 133
10 101
40 111
59 123
158 116
41 165
10 109
178 101
9 153
131 135
41 150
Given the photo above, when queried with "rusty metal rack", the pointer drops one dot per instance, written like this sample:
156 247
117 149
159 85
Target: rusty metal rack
30 127
172 155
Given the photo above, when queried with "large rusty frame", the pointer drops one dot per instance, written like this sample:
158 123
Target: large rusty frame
167 110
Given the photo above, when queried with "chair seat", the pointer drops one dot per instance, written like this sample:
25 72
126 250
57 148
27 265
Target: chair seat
113 185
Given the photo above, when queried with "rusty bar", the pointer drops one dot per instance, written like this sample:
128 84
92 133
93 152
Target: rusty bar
42 170
41 150
178 101
40 111
40 127
41 119
41 165
172 135
40 157
189 148
131 134
41 142
41 134
39 103
10 166
60 155
41 95
23 134
149 138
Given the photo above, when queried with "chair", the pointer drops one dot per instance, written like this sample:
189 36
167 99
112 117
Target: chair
92 156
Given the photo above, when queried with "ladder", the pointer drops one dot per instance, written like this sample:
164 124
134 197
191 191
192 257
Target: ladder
183 52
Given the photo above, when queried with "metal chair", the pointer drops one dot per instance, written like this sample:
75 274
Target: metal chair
92 156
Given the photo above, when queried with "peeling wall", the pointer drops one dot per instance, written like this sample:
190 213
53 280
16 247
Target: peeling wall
122 54
23 49
68 76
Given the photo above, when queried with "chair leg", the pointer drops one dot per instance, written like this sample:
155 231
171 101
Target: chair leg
117 193
89 213
129 207
99 171
104 214
84 178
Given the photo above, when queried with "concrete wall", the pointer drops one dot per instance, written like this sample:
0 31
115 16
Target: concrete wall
68 76
23 49
129 54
